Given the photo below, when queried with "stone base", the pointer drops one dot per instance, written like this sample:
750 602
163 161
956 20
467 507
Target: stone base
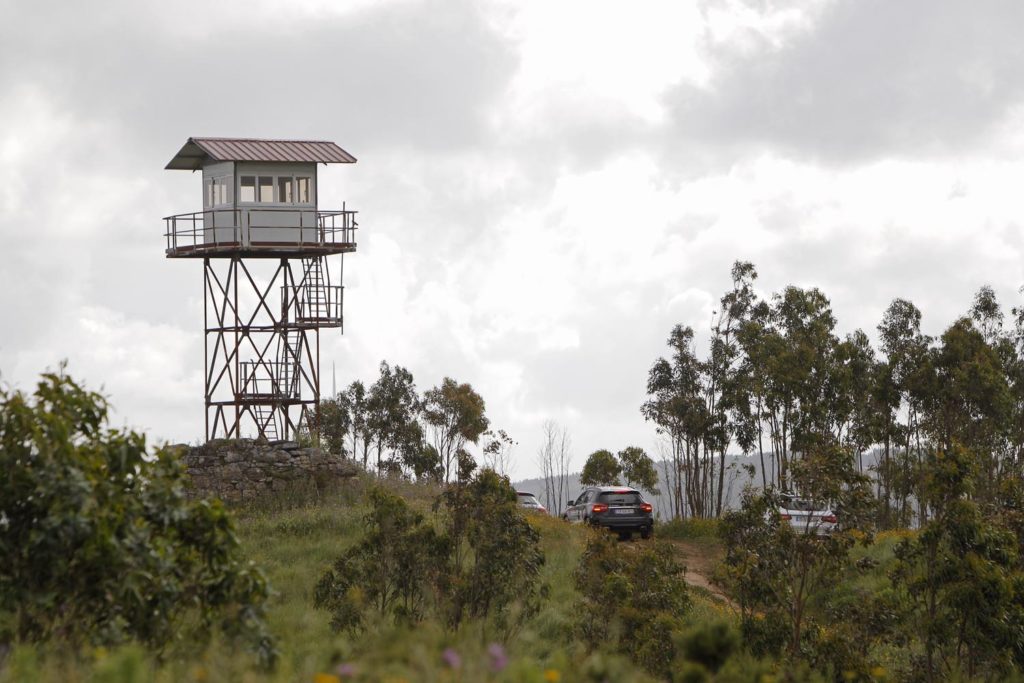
243 469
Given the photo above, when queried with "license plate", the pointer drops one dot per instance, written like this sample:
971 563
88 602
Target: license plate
625 511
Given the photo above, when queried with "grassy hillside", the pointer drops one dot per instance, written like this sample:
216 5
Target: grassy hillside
294 539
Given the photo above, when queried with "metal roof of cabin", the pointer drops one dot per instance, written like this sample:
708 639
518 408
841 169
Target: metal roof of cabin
197 150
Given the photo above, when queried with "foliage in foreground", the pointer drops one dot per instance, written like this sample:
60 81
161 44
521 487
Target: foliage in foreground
98 543
633 600
777 574
482 564
963 578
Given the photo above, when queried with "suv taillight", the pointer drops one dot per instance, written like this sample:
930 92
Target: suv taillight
646 507
785 518
831 519
599 507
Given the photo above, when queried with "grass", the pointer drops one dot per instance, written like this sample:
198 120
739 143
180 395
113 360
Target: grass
690 529
295 535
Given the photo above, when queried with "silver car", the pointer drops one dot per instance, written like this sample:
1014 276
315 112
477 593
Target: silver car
806 516
529 502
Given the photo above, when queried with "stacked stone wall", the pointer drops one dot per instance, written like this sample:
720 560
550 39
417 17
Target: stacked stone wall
243 469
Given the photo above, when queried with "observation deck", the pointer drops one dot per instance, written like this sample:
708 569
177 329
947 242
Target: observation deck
270 232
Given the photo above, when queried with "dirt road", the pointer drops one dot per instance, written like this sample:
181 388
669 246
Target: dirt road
700 560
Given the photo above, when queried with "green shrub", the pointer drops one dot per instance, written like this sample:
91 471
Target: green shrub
633 600
98 543
484 564
391 568
710 645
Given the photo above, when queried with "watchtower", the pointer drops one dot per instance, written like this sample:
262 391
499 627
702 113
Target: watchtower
267 287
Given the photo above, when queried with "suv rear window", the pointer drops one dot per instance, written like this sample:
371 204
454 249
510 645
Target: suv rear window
628 498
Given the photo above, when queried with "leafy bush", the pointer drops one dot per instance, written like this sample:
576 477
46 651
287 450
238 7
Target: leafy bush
98 543
710 645
391 568
962 579
484 564
495 557
777 573
633 600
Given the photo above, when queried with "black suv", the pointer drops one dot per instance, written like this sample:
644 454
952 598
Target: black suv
613 507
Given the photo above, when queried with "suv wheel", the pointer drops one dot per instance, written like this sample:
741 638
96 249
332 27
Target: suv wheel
645 533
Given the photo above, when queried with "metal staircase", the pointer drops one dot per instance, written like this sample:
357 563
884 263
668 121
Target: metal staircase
317 301
266 422
289 359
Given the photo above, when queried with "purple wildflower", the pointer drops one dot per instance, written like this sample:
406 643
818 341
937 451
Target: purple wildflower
346 670
499 658
451 658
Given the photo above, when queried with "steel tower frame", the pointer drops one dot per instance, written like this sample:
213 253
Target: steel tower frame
261 355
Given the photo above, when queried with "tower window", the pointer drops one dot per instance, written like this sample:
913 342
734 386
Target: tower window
247 189
302 190
284 190
266 193
221 191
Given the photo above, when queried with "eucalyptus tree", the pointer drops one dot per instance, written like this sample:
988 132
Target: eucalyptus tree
968 402
906 366
676 406
1017 386
638 469
791 368
352 403
455 416
858 375
988 318
601 469
497 450
702 405
725 397
333 424
393 407
750 412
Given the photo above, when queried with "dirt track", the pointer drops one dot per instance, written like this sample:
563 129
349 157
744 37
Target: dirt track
700 560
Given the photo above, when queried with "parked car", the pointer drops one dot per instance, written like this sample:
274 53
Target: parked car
807 516
530 502
619 509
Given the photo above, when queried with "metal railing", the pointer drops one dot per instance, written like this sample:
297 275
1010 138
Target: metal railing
315 303
269 379
259 228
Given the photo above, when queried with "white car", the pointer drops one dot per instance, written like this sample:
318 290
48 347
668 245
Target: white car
529 502
807 516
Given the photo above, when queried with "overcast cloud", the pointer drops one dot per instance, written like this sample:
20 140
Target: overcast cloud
544 188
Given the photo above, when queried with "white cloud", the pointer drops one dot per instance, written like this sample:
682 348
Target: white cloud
545 188
152 374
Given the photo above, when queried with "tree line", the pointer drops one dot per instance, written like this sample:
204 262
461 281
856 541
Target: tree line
778 381
391 428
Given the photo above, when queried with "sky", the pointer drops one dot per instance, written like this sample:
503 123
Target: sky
545 188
